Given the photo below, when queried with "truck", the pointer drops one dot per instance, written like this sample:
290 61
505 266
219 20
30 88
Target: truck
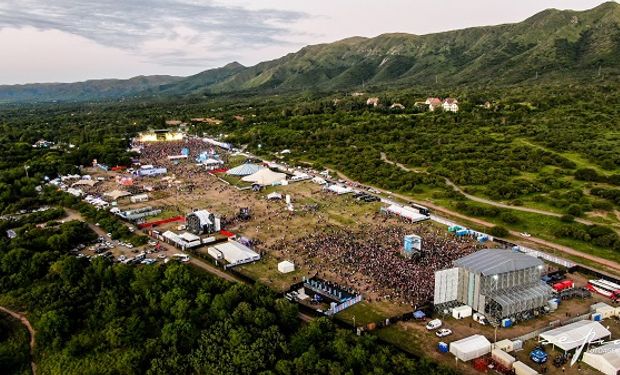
563 285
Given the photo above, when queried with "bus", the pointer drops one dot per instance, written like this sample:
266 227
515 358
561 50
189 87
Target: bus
181 257
423 210
605 288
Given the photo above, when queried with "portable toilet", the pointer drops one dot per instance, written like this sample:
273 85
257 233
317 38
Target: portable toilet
597 317
553 305
443 347
506 323
462 232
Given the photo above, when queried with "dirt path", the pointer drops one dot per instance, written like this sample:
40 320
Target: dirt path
564 249
23 320
484 200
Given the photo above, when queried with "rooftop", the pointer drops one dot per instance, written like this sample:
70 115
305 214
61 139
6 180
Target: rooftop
495 261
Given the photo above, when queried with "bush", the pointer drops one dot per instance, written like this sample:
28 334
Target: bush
509 218
498 231
567 218
575 210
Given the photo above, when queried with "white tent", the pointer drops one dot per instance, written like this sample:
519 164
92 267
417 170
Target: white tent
235 253
605 358
274 196
502 357
265 177
523 369
319 180
574 335
470 347
339 189
116 194
406 212
212 161
244 169
286 267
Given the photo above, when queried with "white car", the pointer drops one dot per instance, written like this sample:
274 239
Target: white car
433 324
443 332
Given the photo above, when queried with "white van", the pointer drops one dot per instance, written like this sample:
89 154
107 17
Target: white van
433 324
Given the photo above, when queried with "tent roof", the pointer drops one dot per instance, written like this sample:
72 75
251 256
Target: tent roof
573 335
244 169
495 261
90 183
203 216
115 194
609 352
285 263
470 347
264 177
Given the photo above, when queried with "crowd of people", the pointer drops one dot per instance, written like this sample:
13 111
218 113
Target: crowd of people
370 259
157 153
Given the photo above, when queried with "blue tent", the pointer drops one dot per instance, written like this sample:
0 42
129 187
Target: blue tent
419 315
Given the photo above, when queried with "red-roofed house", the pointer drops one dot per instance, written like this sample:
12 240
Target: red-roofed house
433 103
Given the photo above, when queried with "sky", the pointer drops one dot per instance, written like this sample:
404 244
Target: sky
72 40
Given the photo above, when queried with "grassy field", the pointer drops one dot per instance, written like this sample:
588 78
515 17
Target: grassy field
266 272
371 312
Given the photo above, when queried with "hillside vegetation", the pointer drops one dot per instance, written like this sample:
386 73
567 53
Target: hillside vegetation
549 46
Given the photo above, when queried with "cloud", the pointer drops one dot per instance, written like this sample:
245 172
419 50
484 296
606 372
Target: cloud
167 32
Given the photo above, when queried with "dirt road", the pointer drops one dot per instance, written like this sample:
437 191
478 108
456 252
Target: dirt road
611 265
484 200
23 320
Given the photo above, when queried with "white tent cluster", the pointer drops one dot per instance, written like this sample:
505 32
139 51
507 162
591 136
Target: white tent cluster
265 177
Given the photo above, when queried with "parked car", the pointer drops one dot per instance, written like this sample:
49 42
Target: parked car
443 332
433 324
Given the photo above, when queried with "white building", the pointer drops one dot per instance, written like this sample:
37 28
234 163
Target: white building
450 104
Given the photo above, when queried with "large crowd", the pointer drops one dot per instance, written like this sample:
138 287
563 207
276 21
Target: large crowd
156 153
370 259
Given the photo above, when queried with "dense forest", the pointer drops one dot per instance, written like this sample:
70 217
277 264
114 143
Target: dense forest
14 350
103 318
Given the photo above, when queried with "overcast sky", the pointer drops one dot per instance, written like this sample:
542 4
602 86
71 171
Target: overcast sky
72 40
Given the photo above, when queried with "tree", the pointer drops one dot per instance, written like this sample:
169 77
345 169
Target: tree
498 231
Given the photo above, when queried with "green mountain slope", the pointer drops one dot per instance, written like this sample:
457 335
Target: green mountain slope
85 91
552 44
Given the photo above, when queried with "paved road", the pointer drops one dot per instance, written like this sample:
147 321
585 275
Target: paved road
23 320
484 200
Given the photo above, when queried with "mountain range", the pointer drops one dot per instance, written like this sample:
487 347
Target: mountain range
551 45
